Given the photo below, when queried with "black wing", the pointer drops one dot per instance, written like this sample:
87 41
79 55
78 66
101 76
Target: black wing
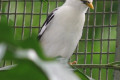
44 26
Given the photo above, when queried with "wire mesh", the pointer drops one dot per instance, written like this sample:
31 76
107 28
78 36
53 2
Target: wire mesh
98 43
117 58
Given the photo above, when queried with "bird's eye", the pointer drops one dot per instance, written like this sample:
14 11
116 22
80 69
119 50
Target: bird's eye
88 2
85 1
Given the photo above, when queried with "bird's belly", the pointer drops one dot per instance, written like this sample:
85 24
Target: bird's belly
62 35
61 42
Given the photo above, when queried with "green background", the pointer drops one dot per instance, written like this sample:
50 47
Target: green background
93 30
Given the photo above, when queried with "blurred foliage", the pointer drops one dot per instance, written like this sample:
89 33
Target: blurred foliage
25 69
25 44
93 32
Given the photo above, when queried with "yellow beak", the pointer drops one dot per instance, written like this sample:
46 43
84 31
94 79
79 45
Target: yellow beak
90 5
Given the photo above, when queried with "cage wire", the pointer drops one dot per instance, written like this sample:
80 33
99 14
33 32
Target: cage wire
100 43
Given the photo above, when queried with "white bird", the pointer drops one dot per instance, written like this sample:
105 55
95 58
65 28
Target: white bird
63 27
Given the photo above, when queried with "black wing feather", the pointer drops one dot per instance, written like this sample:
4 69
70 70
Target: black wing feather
49 18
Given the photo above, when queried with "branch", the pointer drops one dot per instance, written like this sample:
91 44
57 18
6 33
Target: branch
97 66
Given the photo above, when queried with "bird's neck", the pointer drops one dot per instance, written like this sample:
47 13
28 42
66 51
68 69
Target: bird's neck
77 4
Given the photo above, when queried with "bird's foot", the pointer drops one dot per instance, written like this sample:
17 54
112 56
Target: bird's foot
74 62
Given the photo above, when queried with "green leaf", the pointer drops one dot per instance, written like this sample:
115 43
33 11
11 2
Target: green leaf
6 33
25 70
80 74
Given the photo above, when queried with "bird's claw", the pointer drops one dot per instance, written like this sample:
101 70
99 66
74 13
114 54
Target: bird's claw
74 62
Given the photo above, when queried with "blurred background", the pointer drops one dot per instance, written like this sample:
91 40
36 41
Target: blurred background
98 43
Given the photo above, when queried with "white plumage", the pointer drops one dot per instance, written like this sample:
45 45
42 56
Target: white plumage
62 30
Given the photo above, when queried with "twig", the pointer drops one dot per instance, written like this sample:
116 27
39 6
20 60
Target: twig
97 66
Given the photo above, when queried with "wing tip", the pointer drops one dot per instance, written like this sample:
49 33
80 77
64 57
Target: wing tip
38 38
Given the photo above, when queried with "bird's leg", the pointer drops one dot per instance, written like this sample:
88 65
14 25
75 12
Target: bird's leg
74 62
65 61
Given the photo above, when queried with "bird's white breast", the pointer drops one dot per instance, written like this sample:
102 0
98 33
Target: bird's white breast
63 32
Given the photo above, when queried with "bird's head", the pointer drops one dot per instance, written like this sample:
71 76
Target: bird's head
88 3
80 4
